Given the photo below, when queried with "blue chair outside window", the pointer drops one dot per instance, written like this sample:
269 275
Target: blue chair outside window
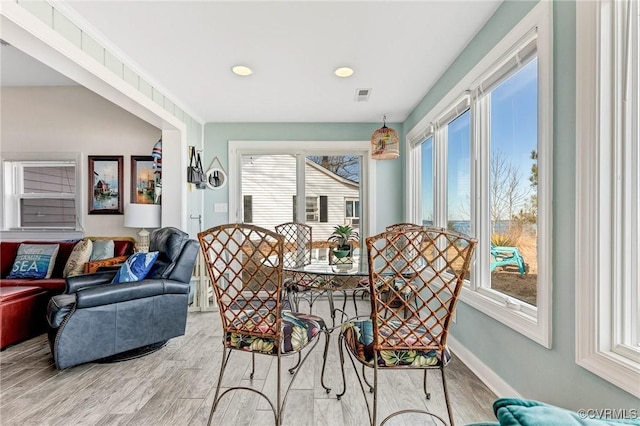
506 256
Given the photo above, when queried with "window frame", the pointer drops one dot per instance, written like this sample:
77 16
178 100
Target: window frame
532 322
11 190
606 260
301 150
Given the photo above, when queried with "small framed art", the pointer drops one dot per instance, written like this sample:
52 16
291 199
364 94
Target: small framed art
105 184
142 179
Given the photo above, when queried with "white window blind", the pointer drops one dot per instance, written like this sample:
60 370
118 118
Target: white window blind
524 52
46 194
451 113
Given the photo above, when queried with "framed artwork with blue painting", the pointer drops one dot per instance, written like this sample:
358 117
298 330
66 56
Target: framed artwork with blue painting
105 184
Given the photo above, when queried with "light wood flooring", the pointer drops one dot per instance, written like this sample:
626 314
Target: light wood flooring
176 386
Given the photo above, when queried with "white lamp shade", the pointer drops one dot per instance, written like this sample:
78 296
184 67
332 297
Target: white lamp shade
142 216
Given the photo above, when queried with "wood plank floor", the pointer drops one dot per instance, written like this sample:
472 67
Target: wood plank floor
176 386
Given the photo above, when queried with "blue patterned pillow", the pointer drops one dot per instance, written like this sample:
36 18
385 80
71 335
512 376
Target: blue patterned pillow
136 267
34 261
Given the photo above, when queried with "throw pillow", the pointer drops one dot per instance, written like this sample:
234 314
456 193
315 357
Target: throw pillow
34 261
102 249
136 267
80 255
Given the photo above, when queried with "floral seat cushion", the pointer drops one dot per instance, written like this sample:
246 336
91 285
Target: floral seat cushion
298 330
359 339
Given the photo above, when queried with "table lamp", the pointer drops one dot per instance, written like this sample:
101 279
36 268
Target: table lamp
142 216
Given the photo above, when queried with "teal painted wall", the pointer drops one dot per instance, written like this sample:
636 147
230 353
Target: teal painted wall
216 136
549 375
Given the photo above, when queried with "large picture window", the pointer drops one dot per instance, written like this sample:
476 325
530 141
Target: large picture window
482 167
608 191
302 181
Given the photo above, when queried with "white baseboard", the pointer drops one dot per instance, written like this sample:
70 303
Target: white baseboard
484 373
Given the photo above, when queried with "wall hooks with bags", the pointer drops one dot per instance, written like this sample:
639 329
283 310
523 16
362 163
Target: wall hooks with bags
215 177
195 172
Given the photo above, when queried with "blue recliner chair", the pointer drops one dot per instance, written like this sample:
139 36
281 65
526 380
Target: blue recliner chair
95 319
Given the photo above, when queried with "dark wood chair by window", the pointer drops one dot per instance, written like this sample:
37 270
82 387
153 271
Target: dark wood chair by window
245 265
415 278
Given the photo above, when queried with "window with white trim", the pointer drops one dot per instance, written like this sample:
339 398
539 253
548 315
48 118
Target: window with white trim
352 211
480 163
287 179
41 194
608 191
313 207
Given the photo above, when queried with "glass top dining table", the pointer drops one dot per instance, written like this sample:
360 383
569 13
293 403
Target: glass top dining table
350 275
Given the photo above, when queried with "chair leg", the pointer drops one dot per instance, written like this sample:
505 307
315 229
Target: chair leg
253 365
324 360
446 396
375 393
424 385
282 405
344 380
223 366
364 376
293 369
279 407
355 304
360 382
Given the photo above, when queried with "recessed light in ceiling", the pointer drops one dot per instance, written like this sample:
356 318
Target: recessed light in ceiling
242 70
343 72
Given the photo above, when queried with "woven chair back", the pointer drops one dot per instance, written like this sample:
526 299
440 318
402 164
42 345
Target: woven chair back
416 275
401 226
244 263
297 244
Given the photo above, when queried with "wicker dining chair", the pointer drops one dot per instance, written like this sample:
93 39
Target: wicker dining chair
298 240
363 290
401 226
245 265
415 278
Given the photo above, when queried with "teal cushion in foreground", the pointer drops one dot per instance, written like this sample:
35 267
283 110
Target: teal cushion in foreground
136 267
522 412
34 261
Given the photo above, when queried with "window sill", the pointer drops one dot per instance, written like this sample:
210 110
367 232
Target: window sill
38 234
612 367
517 319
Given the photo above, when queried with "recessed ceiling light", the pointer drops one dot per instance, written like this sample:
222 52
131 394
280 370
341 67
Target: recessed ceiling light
242 70
343 72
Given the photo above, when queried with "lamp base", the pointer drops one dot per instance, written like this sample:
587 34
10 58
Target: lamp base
142 246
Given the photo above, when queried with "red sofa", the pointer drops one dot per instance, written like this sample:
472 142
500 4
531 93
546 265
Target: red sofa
23 302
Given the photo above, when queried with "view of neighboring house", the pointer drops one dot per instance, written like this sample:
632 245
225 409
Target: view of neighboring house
269 195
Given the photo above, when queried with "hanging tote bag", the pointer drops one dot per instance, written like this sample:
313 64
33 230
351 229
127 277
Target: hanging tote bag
202 184
195 174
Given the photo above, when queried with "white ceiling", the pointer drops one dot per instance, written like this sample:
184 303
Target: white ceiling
186 49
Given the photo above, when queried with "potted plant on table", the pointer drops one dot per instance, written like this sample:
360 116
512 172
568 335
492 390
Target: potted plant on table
343 235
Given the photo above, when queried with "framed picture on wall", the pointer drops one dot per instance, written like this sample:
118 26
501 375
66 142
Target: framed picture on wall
142 179
105 184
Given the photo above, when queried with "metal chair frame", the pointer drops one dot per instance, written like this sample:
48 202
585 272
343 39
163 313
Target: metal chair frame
435 262
245 265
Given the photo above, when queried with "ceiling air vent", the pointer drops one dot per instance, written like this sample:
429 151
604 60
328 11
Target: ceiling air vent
362 95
